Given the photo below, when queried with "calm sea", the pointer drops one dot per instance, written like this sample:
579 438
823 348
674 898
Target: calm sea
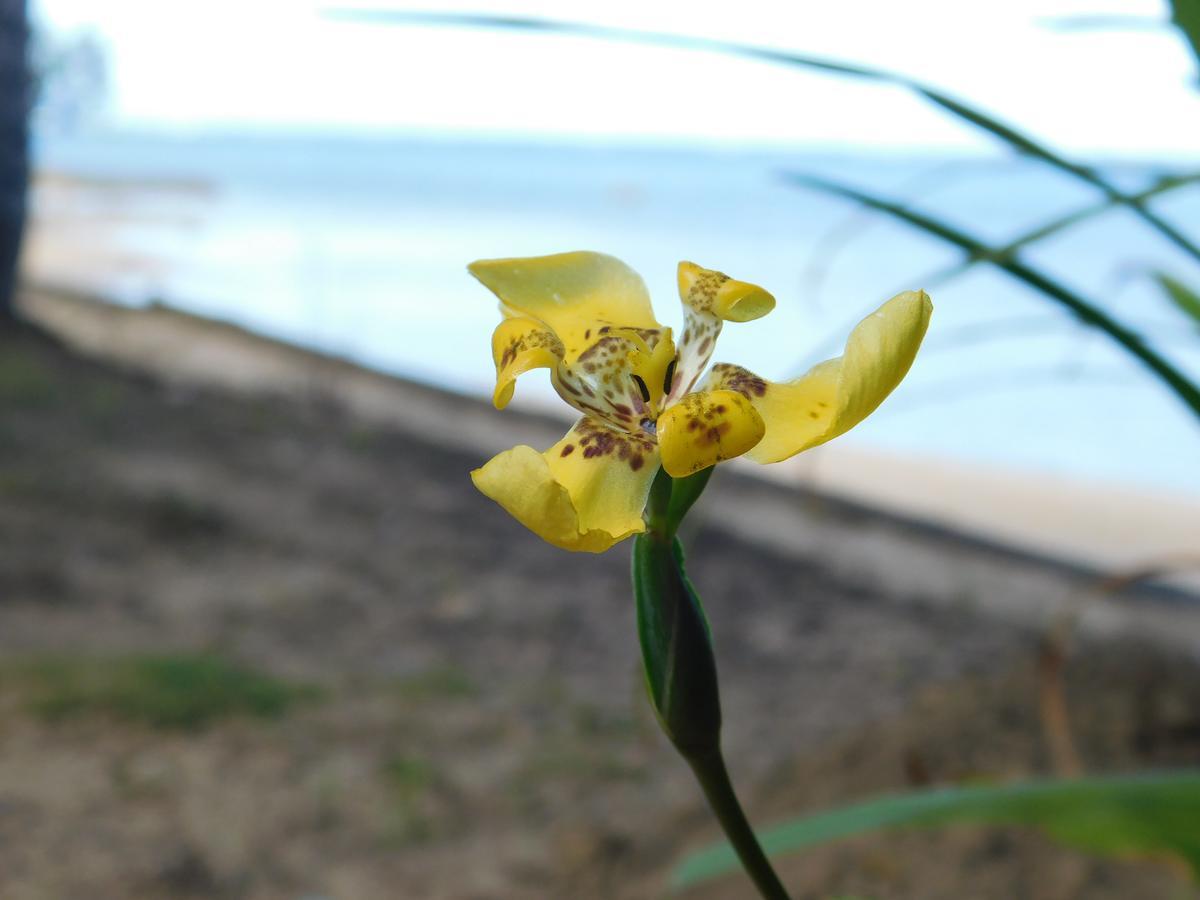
358 247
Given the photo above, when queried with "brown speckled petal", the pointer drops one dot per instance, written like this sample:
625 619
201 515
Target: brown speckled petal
710 298
706 428
586 493
519 345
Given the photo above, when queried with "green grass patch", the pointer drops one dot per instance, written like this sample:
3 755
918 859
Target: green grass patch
409 776
18 484
24 381
410 779
185 692
439 683
103 402
362 439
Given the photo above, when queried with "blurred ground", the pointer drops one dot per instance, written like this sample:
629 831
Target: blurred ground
265 647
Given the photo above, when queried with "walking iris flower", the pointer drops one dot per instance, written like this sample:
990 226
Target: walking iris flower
587 318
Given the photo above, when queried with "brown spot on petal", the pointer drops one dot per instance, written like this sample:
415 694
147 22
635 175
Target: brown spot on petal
568 450
598 440
713 434
704 289
735 378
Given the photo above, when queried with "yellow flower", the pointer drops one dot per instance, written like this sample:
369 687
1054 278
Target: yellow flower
587 318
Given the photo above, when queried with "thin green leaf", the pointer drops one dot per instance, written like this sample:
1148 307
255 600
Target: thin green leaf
1085 310
976 117
1162 186
1152 814
1185 14
1184 298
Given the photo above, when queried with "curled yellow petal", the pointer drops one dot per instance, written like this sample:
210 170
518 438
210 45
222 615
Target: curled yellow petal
707 428
834 396
585 493
709 291
710 299
573 293
519 345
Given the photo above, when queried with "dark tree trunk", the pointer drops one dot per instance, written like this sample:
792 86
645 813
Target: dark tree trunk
14 144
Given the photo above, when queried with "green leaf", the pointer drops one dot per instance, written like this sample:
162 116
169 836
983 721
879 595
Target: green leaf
1085 310
1186 16
1151 813
1052 227
1187 300
677 652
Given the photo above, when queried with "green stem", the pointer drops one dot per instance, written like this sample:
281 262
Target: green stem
681 672
714 779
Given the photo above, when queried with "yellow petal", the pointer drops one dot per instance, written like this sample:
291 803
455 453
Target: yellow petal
837 394
519 345
707 428
587 492
709 291
710 298
573 293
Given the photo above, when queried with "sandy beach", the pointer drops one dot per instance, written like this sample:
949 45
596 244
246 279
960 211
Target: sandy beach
447 688
1111 527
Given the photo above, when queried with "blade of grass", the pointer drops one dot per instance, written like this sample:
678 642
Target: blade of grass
1042 232
1086 311
941 276
1185 14
994 126
1149 813
1186 300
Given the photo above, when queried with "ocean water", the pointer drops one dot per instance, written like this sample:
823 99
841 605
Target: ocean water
359 247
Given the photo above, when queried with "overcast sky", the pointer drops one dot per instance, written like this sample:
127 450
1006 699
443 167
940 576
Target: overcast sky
263 63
